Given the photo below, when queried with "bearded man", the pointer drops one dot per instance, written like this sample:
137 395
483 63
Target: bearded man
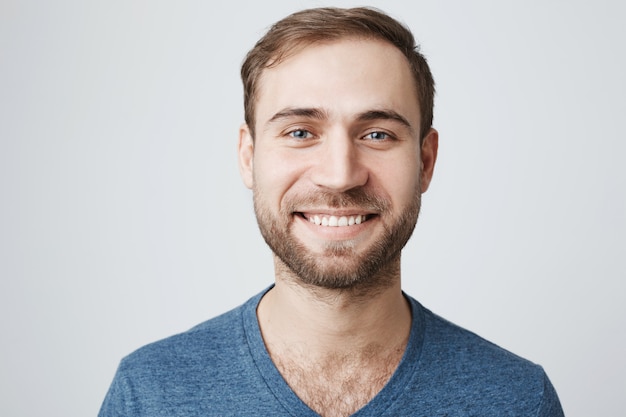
337 147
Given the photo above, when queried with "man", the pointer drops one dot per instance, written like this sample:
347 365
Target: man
337 148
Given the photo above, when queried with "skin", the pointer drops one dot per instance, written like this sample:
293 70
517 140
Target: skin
334 120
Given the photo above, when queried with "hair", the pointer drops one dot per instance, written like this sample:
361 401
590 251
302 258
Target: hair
298 30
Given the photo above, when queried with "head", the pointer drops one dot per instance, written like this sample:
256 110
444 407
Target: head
338 144
301 29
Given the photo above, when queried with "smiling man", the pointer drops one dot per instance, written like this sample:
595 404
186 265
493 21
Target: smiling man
337 148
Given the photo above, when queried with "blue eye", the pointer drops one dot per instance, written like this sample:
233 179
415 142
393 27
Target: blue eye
300 134
377 136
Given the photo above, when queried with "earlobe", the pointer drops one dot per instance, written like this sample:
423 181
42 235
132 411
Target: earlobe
429 149
246 155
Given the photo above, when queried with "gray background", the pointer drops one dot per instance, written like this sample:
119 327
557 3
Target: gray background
123 218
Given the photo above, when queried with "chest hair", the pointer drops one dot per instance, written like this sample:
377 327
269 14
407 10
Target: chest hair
339 384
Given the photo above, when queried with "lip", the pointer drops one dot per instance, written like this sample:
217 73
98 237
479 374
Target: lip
320 219
335 233
335 212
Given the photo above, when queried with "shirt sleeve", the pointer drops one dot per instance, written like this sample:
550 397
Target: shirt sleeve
116 402
550 405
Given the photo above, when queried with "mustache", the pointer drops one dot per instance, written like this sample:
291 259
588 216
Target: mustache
355 197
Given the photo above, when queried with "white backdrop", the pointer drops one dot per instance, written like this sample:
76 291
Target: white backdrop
123 219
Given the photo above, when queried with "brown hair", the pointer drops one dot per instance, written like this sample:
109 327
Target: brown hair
287 36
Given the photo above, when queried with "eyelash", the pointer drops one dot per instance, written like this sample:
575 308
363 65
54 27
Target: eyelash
386 136
292 133
297 134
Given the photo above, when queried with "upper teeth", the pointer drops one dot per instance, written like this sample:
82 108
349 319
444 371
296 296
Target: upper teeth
334 221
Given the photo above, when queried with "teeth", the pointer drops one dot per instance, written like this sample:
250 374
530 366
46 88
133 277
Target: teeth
334 221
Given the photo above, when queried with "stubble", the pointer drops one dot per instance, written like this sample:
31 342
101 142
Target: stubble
340 266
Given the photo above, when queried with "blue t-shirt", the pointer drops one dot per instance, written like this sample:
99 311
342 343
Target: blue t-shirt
222 368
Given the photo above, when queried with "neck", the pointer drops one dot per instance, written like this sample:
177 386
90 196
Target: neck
323 322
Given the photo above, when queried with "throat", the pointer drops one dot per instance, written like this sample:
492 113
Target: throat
337 351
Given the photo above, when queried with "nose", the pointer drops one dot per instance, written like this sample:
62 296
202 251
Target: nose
339 166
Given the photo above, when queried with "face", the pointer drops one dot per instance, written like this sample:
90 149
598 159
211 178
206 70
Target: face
336 167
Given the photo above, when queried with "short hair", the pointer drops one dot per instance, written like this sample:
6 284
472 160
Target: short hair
298 30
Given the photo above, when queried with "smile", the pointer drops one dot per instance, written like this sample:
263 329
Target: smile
335 221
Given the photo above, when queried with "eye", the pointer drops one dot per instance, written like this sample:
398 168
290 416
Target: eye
300 134
377 136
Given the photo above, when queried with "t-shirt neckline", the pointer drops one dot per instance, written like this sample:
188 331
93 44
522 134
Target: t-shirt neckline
293 404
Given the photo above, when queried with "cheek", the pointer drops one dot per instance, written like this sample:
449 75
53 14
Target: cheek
275 175
398 178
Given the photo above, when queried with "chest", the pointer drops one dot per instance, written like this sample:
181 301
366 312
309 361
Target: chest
339 385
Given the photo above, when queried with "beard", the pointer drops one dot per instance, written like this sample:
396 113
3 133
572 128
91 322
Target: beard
340 266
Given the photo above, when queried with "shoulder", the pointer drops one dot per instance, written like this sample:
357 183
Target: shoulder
207 370
449 343
214 344
480 373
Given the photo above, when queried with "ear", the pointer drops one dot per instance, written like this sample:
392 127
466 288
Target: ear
246 155
429 157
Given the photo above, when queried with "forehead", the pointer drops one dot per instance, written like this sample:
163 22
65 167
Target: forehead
342 77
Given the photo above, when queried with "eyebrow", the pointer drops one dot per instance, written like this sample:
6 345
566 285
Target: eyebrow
384 114
309 113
